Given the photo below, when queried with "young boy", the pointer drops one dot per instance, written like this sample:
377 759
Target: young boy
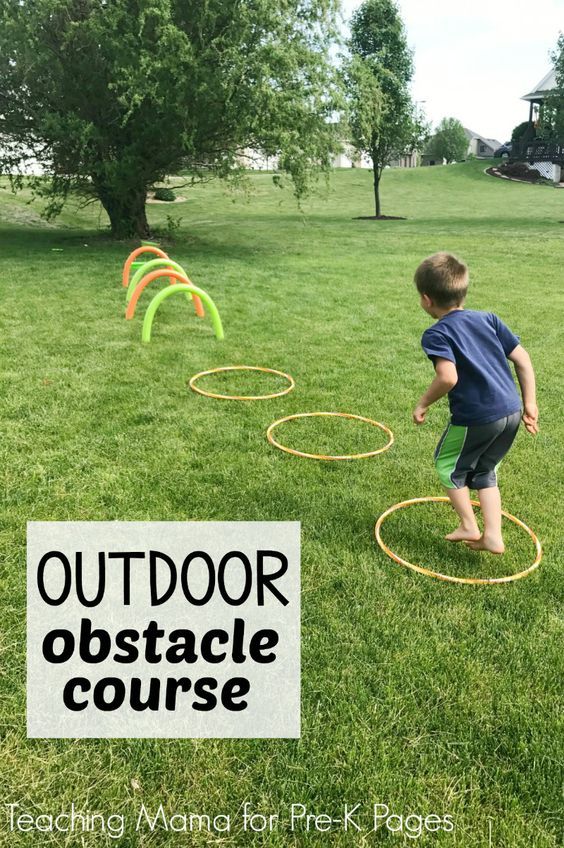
470 351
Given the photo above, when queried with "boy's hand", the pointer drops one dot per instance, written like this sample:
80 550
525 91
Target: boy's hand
531 418
419 414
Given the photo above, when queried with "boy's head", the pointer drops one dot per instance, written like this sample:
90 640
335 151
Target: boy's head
442 282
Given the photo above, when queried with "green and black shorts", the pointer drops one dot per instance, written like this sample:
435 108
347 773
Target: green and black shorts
470 456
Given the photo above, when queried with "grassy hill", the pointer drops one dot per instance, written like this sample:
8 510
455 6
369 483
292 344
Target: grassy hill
428 697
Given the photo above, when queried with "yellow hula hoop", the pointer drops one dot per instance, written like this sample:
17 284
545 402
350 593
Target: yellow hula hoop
282 447
196 377
484 581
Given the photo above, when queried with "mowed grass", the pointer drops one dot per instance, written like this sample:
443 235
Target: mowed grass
429 697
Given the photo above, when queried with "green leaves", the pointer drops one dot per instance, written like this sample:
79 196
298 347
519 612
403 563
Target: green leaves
378 34
113 96
552 112
449 141
365 102
382 119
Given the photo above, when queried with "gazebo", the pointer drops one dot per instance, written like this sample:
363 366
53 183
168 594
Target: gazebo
547 157
538 95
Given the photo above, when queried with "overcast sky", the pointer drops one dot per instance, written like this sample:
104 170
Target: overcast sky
473 61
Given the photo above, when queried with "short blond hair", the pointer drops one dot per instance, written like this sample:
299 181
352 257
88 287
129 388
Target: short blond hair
444 278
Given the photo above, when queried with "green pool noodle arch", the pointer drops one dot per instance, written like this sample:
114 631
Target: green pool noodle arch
152 265
182 289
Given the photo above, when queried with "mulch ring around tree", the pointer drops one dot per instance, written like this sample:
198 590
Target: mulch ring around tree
379 218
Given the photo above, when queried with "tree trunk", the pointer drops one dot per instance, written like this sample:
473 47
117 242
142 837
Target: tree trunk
126 211
377 175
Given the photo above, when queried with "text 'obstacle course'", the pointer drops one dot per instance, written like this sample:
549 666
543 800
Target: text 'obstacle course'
178 629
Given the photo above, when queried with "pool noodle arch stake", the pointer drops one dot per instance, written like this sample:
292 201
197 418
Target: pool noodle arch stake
287 390
160 263
148 267
475 581
174 277
145 248
366 455
181 288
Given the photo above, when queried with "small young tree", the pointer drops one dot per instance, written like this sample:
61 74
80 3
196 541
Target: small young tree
383 120
449 141
111 96
365 102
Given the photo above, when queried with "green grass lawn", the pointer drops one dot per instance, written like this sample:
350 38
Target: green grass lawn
432 698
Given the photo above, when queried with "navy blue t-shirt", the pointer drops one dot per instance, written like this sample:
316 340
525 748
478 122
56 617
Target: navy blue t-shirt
478 343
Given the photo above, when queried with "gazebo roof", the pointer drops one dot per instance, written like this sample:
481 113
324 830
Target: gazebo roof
539 92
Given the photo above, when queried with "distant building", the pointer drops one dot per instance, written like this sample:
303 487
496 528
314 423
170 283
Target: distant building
348 158
256 160
480 146
408 160
428 158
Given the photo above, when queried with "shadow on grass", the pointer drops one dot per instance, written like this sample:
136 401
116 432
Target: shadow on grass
35 241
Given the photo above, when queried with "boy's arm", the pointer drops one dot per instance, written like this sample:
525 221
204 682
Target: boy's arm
446 377
526 376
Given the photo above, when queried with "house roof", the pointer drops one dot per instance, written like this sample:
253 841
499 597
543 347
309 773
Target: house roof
491 142
470 134
547 83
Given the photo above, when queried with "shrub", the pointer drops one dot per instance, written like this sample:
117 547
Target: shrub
165 194
522 131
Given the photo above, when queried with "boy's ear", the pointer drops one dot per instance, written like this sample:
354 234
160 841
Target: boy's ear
426 300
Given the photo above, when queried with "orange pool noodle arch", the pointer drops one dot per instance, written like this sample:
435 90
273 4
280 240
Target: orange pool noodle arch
133 256
174 276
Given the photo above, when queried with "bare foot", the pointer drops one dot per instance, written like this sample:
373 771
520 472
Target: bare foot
464 534
485 543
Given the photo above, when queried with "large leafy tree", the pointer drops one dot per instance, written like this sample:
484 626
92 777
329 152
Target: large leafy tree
555 103
113 95
449 141
383 119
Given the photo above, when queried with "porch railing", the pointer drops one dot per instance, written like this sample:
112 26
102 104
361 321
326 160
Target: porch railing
538 151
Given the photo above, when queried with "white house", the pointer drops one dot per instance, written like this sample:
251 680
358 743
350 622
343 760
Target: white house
480 146
347 157
256 160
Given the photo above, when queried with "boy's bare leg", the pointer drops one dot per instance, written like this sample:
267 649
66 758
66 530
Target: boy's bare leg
492 539
468 529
